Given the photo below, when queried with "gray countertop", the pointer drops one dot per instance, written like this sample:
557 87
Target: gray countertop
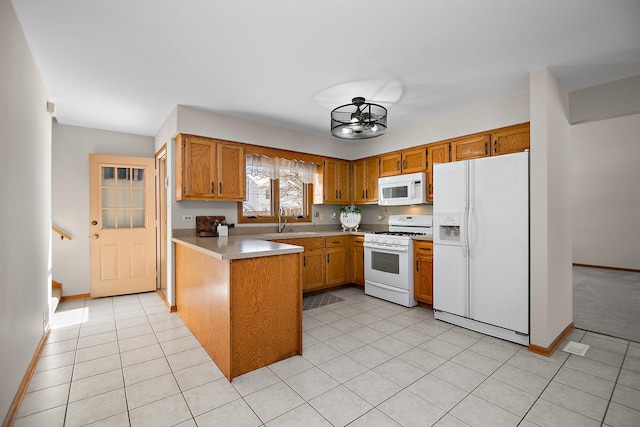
241 246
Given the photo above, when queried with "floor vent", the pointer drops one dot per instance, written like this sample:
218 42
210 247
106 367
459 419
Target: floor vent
576 348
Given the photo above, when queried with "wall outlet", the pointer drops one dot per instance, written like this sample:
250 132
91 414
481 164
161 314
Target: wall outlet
187 218
316 214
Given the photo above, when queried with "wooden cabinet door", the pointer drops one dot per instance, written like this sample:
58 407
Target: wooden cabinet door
199 172
371 183
313 269
414 160
343 184
470 147
336 266
513 139
365 180
390 164
423 273
330 172
231 172
358 260
436 153
359 181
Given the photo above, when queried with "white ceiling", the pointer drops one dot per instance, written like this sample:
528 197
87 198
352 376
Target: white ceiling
124 65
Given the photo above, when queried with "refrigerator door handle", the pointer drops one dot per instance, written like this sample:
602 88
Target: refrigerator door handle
463 230
469 230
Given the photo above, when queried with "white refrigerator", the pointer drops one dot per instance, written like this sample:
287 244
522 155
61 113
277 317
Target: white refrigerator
481 245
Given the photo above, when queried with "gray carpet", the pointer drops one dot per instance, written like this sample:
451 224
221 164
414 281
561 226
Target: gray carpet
607 301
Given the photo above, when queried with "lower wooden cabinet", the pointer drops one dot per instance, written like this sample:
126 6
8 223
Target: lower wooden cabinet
423 271
336 254
358 260
312 269
324 261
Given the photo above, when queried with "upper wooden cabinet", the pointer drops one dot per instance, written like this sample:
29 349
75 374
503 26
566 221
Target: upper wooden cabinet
209 169
407 161
512 139
436 153
391 164
414 160
334 183
365 180
470 147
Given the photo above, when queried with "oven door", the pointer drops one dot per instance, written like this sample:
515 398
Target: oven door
388 265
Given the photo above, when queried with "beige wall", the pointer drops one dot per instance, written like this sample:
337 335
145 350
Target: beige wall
550 230
70 195
606 101
25 171
605 192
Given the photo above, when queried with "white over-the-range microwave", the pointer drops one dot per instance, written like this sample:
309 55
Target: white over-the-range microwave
401 190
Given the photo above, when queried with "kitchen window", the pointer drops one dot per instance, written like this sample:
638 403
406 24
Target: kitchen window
275 183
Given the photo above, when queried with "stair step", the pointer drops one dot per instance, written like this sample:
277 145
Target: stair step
56 295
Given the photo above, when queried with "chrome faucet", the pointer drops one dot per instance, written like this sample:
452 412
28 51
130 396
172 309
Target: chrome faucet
280 224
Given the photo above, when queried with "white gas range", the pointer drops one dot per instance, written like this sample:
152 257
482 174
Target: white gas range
388 258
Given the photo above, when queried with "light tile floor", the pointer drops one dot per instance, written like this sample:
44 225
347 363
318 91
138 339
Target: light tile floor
126 361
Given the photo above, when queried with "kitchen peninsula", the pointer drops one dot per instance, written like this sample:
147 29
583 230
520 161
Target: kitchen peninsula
241 297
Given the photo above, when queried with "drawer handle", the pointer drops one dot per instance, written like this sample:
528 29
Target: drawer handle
336 242
417 266
425 249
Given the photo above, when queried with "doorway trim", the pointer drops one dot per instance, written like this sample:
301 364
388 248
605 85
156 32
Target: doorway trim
162 245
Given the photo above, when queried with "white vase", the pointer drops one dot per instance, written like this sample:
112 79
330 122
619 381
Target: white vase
223 230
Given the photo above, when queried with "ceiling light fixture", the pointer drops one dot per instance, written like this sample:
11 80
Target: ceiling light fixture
359 120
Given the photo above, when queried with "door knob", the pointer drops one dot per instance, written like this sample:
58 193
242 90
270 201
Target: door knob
95 236
94 222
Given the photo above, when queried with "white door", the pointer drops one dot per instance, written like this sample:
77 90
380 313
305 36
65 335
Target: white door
450 279
499 241
450 266
122 225
450 187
